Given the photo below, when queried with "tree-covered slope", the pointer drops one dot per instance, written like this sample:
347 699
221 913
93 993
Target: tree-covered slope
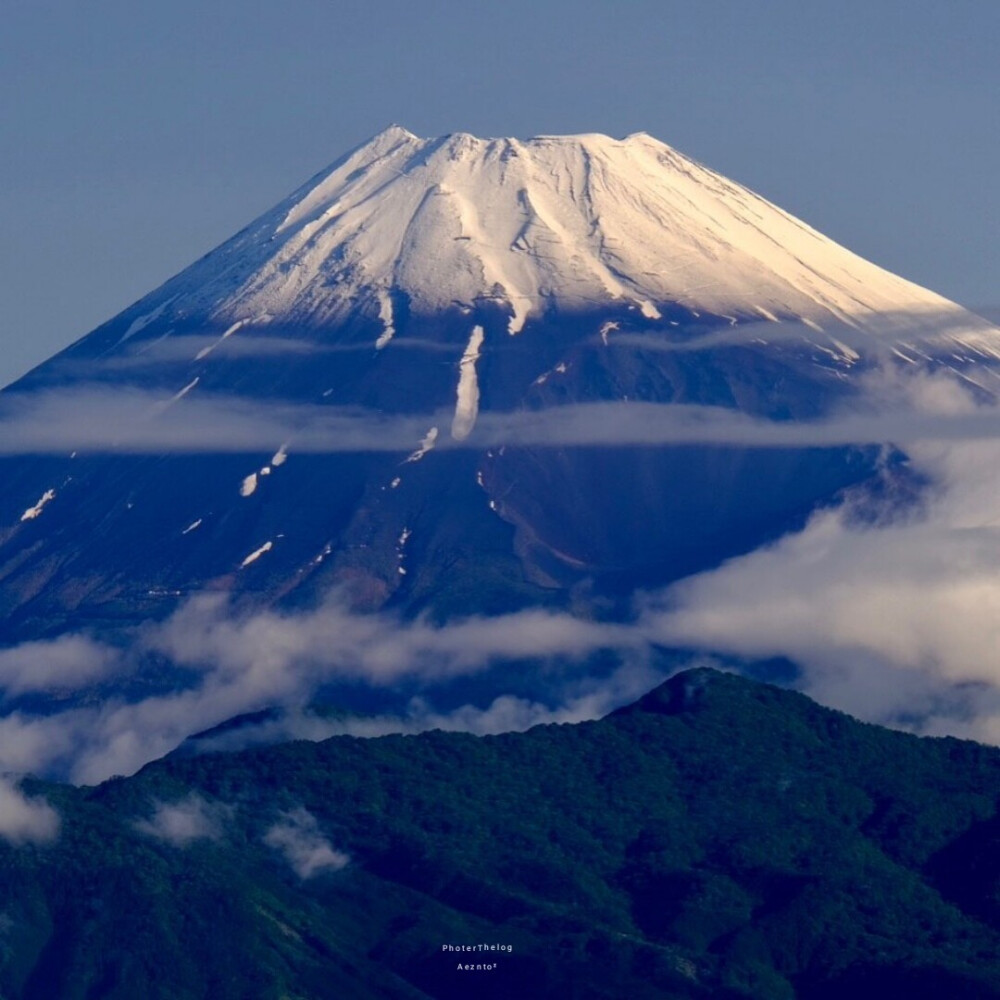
720 838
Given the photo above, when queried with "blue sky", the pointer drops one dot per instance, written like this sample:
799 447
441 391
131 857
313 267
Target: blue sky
136 137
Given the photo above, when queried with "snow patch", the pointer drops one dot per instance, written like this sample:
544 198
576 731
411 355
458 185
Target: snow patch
400 550
425 446
238 325
467 393
180 394
256 554
32 512
847 353
385 315
143 321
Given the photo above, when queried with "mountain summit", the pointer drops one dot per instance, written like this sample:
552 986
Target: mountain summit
439 375
577 222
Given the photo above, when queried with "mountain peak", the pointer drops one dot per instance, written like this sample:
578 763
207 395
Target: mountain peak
566 222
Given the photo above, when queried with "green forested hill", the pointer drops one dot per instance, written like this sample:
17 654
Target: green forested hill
720 838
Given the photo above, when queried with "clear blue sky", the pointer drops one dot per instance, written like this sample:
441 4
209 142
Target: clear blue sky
137 136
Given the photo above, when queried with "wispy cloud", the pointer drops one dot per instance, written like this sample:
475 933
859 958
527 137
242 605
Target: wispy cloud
187 348
575 700
131 420
24 819
244 662
67 663
301 842
188 819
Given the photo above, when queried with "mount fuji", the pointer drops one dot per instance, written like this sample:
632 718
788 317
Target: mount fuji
461 375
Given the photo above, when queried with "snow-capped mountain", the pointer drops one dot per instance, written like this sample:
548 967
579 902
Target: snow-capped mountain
577 222
413 300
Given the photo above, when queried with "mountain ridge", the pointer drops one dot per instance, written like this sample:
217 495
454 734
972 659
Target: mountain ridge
746 844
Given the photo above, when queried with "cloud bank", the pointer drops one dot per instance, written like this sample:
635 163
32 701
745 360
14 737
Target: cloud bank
890 614
242 663
895 622
893 404
69 662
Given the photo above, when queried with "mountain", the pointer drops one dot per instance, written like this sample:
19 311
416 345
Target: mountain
436 378
719 838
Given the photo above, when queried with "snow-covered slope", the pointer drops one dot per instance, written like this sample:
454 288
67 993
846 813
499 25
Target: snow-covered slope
568 221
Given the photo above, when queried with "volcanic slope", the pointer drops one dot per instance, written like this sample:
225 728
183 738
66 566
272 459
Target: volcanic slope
400 381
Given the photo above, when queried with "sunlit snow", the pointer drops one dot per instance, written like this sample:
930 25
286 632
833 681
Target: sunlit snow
385 315
256 554
141 322
32 512
572 221
467 392
425 446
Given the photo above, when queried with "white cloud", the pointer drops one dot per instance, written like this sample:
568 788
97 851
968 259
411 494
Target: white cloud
246 662
896 622
67 663
894 405
24 819
298 837
182 822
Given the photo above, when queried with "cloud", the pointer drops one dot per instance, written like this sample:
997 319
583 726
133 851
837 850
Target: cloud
930 330
333 642
896 621
184 349
889 402
127 419
891 615
68 663
579 700
25 820
297 836
182 822
130 420
244 662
